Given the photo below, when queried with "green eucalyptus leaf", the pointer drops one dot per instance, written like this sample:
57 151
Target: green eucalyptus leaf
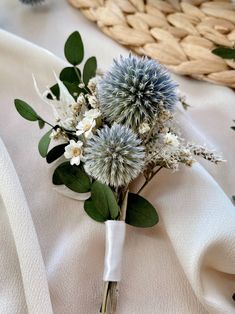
104 200
41 123
89 69
55 153
25 110
73 89
73 49
91 211
56 178
44 143
225 52
140 213
74 177
69 75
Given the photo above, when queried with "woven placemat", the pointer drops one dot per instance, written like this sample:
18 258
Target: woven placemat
180 34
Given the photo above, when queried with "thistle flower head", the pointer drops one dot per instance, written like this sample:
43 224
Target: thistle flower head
32 2
114 156
134 89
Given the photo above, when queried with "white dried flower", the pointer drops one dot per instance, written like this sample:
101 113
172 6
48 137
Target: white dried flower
81 85
93 101
144 128
114 156
168 150
81 100
57 134
92 114
171 139
85 126
73 151
205 153
92 84
62 108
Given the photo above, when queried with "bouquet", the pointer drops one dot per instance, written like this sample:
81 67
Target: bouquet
109 129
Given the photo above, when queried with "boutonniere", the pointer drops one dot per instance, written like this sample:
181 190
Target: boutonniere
109 129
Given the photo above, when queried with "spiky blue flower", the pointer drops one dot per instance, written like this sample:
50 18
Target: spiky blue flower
32 2
114 156
134 89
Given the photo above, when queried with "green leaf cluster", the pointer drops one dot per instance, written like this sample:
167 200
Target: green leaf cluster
102 205
72 76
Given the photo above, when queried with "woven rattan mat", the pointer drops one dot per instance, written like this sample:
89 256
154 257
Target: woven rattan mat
180 34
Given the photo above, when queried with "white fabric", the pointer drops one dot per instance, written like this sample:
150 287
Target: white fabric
115 232
184 265
30 260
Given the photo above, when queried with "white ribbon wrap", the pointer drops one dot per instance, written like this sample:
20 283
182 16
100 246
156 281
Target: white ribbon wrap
115 238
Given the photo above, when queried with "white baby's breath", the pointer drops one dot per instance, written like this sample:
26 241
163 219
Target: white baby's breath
81 85
58 134
171 139
93 101
92 84
144 128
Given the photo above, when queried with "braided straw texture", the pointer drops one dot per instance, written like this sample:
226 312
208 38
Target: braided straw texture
180 34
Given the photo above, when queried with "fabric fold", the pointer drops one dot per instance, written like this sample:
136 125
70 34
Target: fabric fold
201 228
28 250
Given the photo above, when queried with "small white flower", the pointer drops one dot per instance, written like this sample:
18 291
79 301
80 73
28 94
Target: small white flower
73 151
55 134
85 127
81 85
92 84
171 139
92 101
92 114
58 134
81 100
144 128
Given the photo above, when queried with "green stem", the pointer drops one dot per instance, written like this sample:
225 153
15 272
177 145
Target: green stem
39 118
80 79
105 298
78 74
149 179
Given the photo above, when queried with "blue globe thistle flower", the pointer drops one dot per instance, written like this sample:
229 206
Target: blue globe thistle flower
134 90
114 156
32 2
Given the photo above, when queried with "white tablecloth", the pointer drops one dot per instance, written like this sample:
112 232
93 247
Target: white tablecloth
186 264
